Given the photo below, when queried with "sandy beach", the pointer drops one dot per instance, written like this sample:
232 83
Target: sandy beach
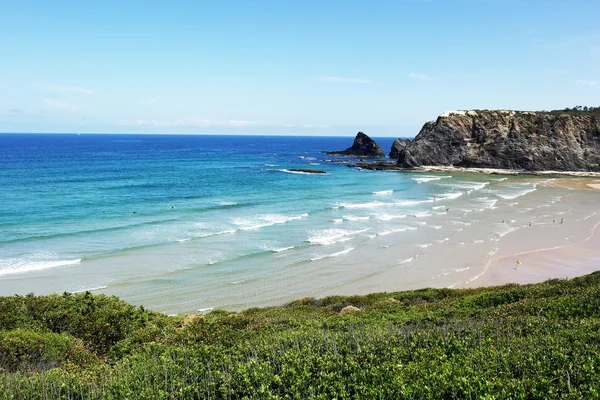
282 236
584 184
500 171
573 251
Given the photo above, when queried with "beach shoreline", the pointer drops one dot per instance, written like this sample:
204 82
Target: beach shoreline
238 235
500 171
581 184
566 260
392 166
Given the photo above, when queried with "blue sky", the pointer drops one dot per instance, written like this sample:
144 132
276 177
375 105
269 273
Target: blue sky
288 67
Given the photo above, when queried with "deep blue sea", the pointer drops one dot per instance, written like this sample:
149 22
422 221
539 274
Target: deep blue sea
182 223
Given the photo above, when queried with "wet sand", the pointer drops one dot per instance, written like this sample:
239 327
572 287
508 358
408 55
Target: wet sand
584 184
472 237
561 250
500 171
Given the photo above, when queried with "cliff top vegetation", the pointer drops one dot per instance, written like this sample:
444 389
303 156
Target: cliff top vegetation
578 110
531 341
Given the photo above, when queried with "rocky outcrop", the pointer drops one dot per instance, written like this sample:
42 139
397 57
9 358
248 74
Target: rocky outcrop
349 310
363 146
532 141
376 166
307 170
397 147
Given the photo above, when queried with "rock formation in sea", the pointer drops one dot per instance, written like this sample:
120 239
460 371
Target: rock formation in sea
533 141
363 146
307 170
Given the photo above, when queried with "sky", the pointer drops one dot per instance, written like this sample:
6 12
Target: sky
288 67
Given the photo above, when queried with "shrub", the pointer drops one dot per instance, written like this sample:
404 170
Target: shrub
28 351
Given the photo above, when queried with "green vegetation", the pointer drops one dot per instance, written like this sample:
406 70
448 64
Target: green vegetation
579 110
511 342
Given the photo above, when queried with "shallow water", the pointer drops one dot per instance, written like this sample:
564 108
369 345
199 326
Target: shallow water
186 223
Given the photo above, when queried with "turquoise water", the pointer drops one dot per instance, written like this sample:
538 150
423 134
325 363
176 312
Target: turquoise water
68 197
184 223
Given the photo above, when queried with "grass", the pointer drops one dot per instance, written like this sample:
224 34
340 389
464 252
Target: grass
510 342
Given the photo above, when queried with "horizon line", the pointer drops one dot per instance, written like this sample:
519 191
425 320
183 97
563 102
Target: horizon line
192 134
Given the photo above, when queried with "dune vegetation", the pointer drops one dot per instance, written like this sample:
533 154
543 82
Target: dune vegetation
510 342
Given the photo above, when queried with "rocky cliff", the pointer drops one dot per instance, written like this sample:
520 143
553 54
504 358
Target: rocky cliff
533 141
397 147
363 146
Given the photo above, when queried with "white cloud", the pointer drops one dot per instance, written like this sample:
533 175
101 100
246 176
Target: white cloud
324 126
72 89
587 83
19 113
196 122
342 79
151 100
62 104
420 77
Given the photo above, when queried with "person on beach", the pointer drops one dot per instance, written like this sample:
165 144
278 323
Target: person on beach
562 220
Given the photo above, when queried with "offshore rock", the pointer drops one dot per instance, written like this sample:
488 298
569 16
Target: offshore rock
531 141
376 165
307 170
363 146
338 161
397 147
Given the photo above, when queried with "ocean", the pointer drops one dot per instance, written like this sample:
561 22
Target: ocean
188 223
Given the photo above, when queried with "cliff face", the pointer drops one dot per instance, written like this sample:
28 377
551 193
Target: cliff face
397 147
531 141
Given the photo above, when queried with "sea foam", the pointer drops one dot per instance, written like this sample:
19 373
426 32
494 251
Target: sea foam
356 218
511 196
282 249
328 237
396 230
18 266
425 179
89 289
378 204
264 220
339 253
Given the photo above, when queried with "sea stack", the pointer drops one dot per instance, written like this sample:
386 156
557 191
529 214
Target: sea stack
530 141
363 146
